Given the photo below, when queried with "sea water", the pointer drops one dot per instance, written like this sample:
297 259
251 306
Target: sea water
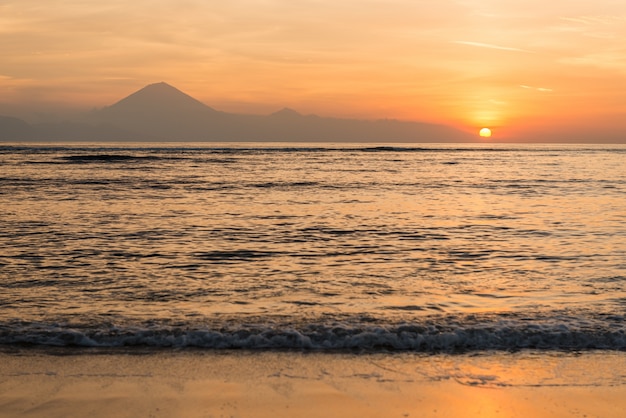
313 246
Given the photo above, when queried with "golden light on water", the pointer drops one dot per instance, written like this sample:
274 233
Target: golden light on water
485 132
274 54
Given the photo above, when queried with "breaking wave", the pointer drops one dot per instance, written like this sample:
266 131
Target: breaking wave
430 337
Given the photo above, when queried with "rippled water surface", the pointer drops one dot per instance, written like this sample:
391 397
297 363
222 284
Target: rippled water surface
315 245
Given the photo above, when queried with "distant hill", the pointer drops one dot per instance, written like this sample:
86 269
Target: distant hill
160 112
14 129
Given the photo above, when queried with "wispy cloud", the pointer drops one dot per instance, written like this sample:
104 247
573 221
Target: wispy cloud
594 20
491 46
603 27
541 89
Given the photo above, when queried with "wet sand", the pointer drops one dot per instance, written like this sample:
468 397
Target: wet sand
290 384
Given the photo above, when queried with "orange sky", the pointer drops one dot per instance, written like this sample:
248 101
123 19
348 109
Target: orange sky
527 69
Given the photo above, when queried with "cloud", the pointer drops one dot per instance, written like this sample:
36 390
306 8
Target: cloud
603 27
491 46
541 89
595 20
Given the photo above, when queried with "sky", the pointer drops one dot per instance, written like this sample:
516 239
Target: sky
530 70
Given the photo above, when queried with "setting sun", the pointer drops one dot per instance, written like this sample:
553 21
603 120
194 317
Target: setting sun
485 132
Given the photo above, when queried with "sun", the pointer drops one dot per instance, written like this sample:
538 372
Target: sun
485 132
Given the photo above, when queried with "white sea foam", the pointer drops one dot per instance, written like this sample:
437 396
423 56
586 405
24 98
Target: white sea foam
439 334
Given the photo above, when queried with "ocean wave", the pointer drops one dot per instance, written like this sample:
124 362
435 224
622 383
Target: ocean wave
430 337
110 158
289 147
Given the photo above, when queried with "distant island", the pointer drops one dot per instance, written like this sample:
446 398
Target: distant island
161 112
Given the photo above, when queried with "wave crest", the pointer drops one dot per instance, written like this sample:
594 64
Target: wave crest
428 338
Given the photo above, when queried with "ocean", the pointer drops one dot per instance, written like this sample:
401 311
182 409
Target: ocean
325 247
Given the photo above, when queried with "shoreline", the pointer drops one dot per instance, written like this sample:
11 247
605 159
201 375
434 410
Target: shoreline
227 383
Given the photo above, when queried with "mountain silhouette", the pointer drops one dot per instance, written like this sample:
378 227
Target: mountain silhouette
286 113
161 112
164 113
14 129
151 100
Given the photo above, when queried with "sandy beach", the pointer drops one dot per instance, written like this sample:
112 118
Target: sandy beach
292 384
